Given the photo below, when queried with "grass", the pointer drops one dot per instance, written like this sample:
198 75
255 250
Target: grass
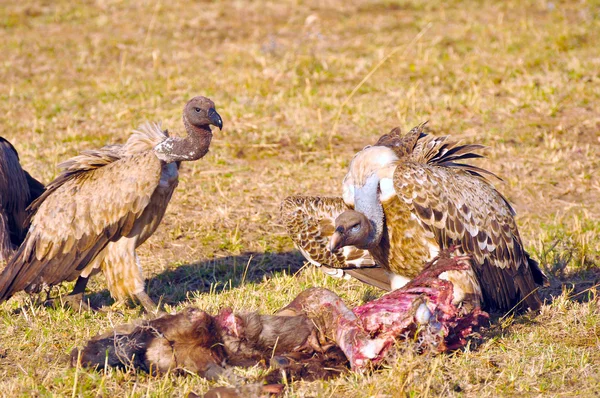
521 77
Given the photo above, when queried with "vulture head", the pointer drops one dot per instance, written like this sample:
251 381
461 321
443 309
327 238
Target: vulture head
352 228
200 112
368 184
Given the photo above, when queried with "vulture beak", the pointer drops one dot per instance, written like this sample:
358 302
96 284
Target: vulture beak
335 242
215 118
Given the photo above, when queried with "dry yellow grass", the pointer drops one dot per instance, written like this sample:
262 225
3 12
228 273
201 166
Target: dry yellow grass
519 76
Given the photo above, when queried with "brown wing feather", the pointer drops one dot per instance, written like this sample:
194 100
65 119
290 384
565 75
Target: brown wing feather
79 213
462 209
36 188
17 190
155 211
13 182
418 146
402 145
374 276
310 222
408 243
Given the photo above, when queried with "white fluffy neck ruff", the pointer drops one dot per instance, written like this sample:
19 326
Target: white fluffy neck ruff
368 182
372 160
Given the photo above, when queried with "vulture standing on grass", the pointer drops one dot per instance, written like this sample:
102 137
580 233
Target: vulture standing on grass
102 206
406 198
17 190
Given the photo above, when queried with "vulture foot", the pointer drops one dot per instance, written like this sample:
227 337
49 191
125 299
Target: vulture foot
74 301
148 304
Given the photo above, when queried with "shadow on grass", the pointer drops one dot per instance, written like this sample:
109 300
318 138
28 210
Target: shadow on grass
579 286
175 284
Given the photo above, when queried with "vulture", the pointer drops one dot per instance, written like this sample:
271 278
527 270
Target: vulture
406 198
17 190
103 205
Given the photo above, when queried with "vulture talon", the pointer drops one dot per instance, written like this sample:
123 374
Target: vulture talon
75 302
148 304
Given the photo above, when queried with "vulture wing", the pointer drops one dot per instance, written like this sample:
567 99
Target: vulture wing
13 181
17 190
461 208
374 276
95 200
36 188
310 222
14 197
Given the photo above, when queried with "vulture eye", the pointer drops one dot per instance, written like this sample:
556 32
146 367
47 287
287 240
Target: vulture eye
197 110
355 228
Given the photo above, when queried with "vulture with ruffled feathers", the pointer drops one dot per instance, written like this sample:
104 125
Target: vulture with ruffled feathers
310 222
17 190
405 199
103 205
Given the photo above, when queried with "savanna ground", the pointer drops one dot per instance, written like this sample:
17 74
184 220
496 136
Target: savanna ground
293 83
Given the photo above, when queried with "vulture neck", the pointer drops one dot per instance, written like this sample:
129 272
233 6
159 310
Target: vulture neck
192 147
366 201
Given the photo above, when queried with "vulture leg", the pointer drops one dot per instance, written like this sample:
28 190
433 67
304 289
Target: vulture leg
75 299
147 302
123 271
76 295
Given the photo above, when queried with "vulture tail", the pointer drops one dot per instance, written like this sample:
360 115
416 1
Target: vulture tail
538 276
10 274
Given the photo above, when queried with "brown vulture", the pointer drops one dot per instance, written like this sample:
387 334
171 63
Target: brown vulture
405 199
103 205
17 190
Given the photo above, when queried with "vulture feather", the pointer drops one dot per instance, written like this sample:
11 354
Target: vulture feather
103 205
310 221
410 196
17 190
